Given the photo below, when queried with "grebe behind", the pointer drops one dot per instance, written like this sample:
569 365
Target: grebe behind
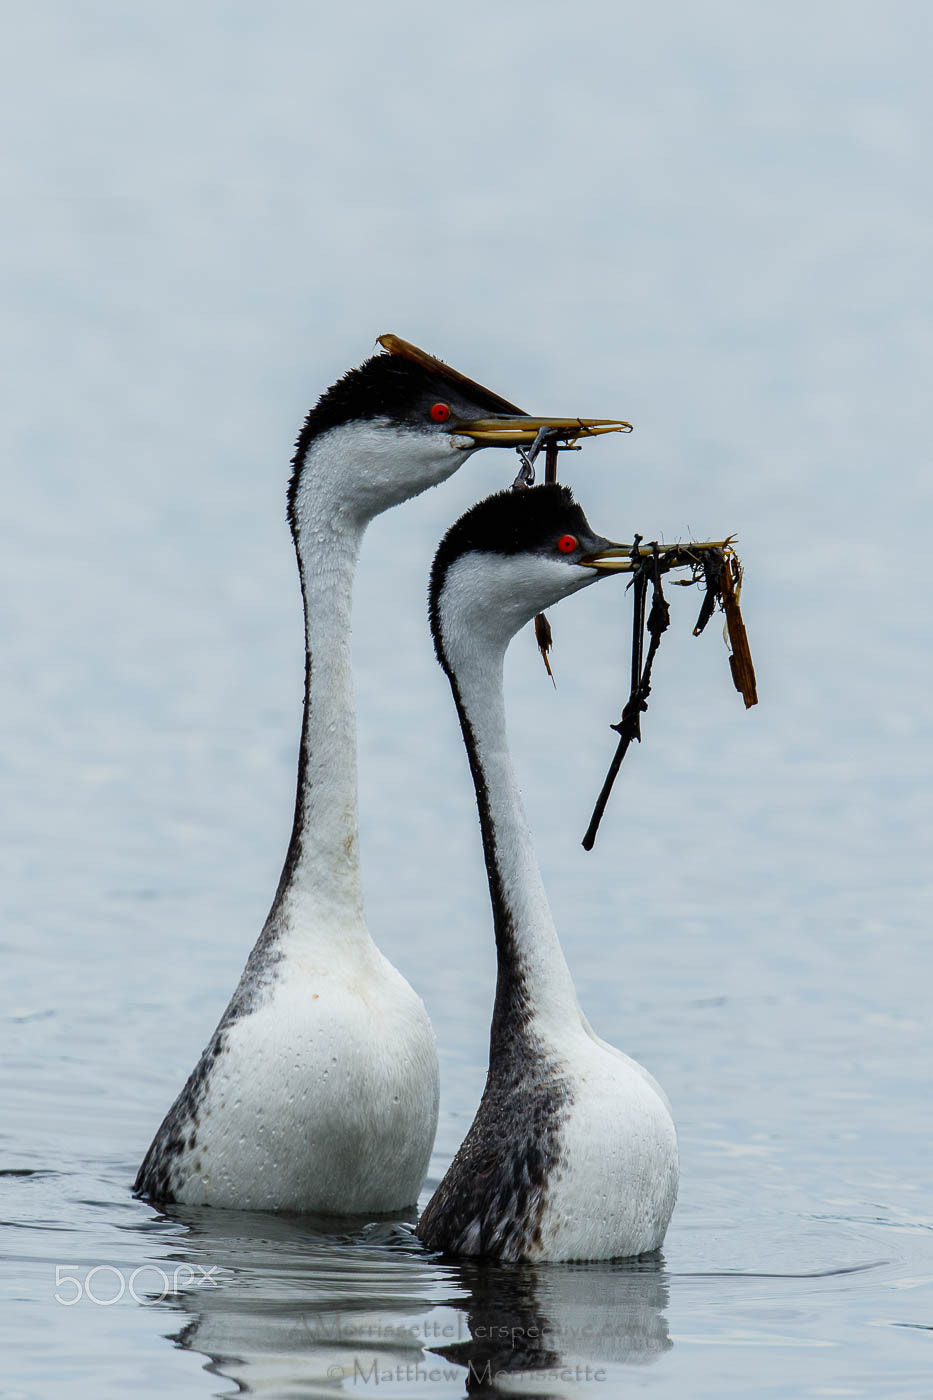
318 1090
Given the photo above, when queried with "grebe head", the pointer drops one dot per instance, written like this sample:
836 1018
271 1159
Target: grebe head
508 558
390 429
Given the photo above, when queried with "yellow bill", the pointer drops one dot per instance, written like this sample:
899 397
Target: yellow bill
521 432
623 559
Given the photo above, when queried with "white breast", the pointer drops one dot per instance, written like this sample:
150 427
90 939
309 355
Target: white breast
324 1099
614 1190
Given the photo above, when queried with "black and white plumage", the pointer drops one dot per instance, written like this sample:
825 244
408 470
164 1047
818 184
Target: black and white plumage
573 1151
318 1090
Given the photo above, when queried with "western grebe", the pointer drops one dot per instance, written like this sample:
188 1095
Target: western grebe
573 1150
318 1090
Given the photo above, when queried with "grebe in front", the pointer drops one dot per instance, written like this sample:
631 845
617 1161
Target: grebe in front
573 1150
318 1090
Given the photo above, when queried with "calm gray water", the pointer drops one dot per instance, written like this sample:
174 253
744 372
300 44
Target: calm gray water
211 213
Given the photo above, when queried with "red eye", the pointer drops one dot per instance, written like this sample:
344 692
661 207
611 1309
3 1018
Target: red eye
567 544
440 412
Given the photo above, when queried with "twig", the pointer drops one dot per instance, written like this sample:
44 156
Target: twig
740 662
629 726
720 570
548 439
545 639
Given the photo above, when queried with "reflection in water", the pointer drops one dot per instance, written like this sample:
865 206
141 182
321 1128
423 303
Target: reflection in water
289 1306
294 1305
505 1332
558 1325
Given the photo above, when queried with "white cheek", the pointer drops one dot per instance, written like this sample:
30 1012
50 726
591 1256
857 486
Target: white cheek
364 468
493 595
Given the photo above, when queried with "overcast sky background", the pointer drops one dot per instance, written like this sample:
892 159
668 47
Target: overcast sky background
712 221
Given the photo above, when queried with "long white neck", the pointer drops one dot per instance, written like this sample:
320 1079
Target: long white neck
321 890
534 982
348 476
